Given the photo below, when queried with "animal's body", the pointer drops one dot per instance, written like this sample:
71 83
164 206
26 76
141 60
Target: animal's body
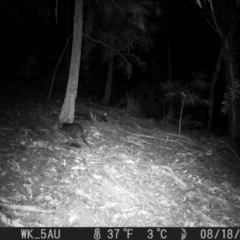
74 131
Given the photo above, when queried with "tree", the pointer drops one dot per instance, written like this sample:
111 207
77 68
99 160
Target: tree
19 28
68 108
187 94
224 16
120 26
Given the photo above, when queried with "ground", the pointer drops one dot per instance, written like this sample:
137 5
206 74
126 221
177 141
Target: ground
137 173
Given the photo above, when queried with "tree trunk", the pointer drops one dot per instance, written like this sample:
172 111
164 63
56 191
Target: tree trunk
169 46
212 86
68 32
232 79
225 18
107 93
68 108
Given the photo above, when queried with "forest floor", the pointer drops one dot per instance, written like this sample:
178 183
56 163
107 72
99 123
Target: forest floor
137 173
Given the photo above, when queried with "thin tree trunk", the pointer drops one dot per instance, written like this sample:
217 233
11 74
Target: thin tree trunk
234 110
107 93
169 47
169 59
212 87
68 108
68 32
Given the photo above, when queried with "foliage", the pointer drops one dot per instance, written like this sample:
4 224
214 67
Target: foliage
20 13
120 27
199 2
189 94
131 104
225 21
232 93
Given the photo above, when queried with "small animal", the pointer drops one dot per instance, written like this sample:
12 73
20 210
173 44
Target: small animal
74 131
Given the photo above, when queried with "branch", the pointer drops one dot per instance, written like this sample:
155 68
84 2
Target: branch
215 21
104 44
233 28
197 26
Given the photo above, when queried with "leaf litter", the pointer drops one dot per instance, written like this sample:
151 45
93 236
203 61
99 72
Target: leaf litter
137 173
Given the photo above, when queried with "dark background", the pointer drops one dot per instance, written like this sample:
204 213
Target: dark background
31 44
